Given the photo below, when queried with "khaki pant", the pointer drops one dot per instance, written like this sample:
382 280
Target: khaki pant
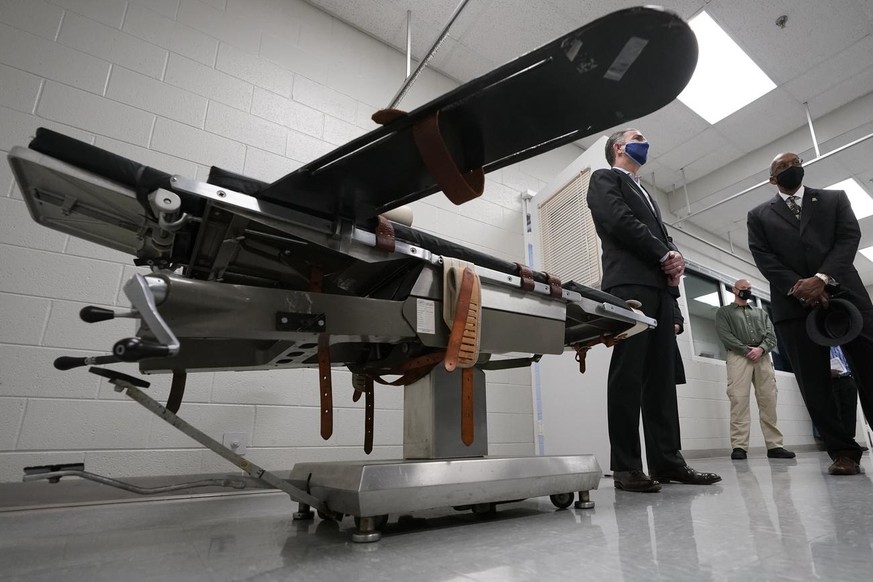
741 373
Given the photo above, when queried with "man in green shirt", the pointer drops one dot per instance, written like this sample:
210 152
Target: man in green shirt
747 334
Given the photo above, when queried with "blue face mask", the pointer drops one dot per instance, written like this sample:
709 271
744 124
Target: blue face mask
637 151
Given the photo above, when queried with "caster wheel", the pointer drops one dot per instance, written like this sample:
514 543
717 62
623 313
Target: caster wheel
379 522
330 515
562 500
484 509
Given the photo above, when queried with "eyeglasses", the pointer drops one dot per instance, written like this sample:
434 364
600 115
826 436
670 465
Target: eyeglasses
784 165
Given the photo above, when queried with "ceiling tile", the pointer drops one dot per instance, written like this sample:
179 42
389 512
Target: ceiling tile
760 122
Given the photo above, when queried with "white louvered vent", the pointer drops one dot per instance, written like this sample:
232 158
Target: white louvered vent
567 235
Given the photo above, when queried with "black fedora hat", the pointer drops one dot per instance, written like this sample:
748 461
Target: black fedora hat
834 325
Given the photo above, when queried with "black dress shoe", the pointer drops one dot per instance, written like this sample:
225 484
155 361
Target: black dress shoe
844 466
780 453
635 481
686 475
738 454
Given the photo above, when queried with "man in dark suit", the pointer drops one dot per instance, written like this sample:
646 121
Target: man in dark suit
804 243
640 262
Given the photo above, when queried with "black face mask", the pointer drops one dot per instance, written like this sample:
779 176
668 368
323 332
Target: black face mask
744 294
791 178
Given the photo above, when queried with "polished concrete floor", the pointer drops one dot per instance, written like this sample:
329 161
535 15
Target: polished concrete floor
767 520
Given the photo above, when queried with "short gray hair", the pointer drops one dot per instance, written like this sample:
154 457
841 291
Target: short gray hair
614 139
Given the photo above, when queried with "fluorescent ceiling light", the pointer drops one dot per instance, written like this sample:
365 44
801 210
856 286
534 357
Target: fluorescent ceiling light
861 202
709 299
868 252
725 79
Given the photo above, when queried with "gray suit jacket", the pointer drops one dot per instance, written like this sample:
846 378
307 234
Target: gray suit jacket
824 240
633 237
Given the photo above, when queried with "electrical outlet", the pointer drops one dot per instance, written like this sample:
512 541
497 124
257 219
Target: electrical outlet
236 441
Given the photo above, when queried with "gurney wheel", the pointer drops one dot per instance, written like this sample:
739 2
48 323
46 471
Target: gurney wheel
330 515
562 500
484 509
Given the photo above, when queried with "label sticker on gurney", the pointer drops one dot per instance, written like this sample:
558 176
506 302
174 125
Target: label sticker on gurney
425 316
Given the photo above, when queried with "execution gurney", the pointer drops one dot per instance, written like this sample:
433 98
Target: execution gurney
307 272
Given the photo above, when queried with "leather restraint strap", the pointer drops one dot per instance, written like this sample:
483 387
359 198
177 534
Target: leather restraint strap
412 370
386 116
555 286
384 234
467 406
363 384
527 279
582 348
463 347
325 389
177 390
324 386
437 158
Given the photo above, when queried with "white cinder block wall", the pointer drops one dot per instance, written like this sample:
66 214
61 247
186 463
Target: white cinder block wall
253 86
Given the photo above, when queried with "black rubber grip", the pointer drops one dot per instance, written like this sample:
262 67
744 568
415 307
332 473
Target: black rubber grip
133 349
91 314
69 362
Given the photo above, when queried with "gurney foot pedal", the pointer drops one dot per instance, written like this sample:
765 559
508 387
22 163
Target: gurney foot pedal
44 470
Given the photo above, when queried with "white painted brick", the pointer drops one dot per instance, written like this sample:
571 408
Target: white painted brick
18 90
50 60
513 376
157 160
254 70
267 167
82 248
219 24
339 132
15 128
98 114
149 463
12 464
66 330
324 99
517 180
509 398
18 228
364 117
22 318
273 387
35 16
106 11
66 424
305 148
6 179
276 18
196 145
11 413
166 8
299 426
112 45
283 51
43 274
150 26
198 387
243 127
511 449
28 372
286 112
212 419
206 81
156 97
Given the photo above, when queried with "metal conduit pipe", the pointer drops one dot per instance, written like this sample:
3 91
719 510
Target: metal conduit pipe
758 185
410 79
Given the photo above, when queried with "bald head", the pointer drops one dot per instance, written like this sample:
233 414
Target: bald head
783 161
743 291
742 284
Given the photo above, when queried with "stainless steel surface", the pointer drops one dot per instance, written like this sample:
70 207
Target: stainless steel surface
432 417
246 465
231 482
375 488
143 301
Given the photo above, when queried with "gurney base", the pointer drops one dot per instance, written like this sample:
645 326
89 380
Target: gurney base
371 490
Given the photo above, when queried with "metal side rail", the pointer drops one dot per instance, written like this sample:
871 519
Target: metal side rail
128 384
42 473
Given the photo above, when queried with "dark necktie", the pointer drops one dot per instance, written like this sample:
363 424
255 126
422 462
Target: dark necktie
792 205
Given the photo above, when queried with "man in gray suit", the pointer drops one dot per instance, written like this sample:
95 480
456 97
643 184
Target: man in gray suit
804 243
640 262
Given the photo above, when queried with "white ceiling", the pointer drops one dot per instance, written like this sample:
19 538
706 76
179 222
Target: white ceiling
823 57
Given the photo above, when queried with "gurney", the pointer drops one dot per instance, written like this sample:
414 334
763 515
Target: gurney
314 270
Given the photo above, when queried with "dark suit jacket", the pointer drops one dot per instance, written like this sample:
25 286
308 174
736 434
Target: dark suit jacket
633 237
824 240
